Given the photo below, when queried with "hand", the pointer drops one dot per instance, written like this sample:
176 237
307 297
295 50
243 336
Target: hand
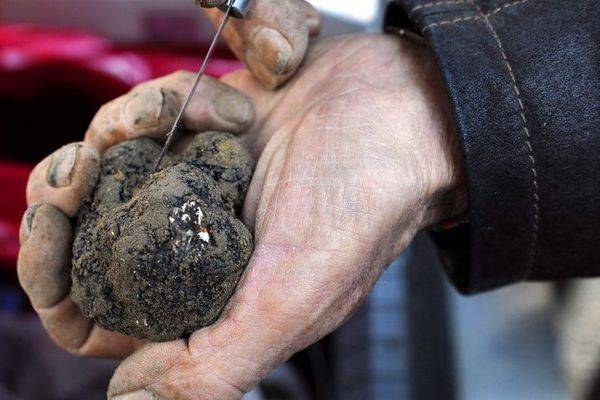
356 154
59 184
273 37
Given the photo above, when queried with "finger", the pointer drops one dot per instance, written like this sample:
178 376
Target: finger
132 380
216 105
76 334
151 109
45 255
313 17
171 371
272 39
43 269
65 178
66 325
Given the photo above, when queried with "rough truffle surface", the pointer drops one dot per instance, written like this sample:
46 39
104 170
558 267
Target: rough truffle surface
157 256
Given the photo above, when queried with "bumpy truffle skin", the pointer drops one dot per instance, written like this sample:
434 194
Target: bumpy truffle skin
227 160
157 256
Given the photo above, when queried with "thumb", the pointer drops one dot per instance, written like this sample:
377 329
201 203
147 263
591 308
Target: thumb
268 320
272 39
165 371
223 361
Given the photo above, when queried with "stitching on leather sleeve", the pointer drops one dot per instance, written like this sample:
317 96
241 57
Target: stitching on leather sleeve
435 4
474 17
527 136
449 22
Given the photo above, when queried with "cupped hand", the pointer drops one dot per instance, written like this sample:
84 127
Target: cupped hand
272 39
59 185
356 154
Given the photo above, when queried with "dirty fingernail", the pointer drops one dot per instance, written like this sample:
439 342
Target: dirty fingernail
61 166
143 109
234 107
170 107
211 3
139 395
27 223
271 49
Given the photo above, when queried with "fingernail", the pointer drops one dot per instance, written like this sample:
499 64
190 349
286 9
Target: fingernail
62 165
271 49
139 395
170 107
27 222
143 108
211 3
234 107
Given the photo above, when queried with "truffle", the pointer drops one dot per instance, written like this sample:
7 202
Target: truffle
158 255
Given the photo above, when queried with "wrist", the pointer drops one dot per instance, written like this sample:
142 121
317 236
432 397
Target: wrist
446 200
444 181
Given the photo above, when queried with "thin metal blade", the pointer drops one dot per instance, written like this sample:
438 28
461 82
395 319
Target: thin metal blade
186 103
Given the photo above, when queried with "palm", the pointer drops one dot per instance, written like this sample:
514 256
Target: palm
319 190
327 203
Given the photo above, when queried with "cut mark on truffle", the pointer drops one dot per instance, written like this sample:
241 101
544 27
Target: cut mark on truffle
186 224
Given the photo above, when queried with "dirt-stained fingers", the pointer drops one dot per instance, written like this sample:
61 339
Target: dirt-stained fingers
57 188
273 37
151 109
65 178
45 256
43 268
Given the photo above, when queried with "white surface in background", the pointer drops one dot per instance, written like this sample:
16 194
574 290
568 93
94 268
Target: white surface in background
167 21
505 344
364 11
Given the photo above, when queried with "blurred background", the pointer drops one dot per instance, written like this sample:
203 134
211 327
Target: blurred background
415 338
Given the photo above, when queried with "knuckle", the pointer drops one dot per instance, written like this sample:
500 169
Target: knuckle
65 325
106 127
149 110
105 107
181 75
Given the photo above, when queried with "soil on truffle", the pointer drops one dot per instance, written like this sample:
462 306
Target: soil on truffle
158 255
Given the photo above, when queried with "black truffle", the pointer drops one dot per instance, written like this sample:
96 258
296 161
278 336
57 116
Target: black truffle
157 256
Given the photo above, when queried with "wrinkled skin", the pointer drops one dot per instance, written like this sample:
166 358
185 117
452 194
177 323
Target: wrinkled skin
353 162
356 154
272 38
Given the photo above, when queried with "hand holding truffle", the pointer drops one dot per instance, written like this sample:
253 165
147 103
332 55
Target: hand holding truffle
352 162
66 180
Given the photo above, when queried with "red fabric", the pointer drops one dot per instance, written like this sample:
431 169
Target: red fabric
13 179
34 58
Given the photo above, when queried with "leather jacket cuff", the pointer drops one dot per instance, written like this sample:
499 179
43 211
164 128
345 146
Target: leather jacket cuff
534 207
